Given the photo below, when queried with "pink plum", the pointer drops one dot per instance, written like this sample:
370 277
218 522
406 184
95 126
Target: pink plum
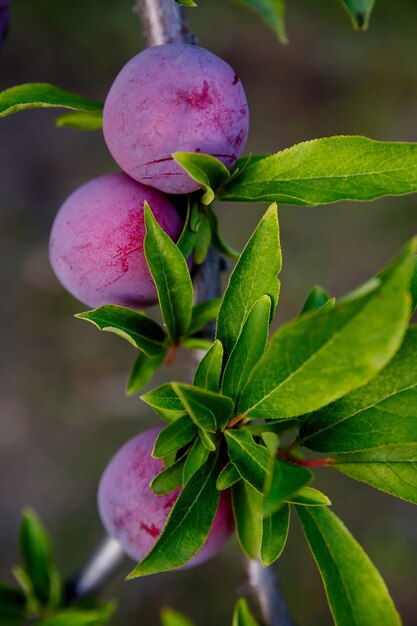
171 98
96 244
134 515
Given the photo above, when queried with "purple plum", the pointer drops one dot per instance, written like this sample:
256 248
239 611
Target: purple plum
171 98
96 244
134 515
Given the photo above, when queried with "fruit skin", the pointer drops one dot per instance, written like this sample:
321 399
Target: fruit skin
172 98
134 515
96 243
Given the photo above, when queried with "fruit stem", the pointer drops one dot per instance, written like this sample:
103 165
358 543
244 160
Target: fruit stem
163 21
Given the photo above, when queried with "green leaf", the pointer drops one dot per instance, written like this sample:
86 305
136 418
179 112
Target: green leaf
331 351
77 616
169 479
186 3
328 170
196 343
307 496
202 241
254 275
209 369
274 535
272 13
37 95
227 477
356 593
317 298
384 412
242 616
172 278
413 287
12 606
164 397
248 349
91 120
283 481
205 169
217 239
137 328
390 468
37 560
210 411
279 427
196 457
208 439
174 437
359 12
169 617
142 371
188 524
247 511
250 459
271 442
203 313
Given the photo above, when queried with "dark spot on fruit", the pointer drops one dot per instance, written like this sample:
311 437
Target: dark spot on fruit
235 79
198 150
197 99
150 529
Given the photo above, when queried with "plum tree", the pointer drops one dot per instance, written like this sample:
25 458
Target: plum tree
134 515
170 98
96 244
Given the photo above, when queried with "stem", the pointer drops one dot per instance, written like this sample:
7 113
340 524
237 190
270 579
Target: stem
264 587
163 21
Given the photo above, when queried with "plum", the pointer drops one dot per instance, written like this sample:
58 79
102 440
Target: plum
134 515
170 98
96 244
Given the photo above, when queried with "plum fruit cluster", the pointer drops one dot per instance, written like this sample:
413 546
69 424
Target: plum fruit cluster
168 98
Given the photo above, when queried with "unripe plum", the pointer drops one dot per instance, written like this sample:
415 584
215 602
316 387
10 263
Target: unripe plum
134 515
96 244
171 98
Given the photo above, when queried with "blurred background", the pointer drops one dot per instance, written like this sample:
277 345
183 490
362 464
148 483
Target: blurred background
62 402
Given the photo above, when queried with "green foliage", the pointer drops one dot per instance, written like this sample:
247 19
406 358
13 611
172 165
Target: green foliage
83 120
272 13
186 3
74 616
356 593
209 369
275 529
359 12
317 298
206 170
40 95
142 371
188 524
169 617
208 410
172 278
247 511
327 170
174 436
12 606
242 615
283 481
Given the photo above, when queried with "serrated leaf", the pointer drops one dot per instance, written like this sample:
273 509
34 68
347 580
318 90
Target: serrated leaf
38 561
390 468
247 511
203 313
356 593
359 12
317 298
272 12
91 120
171 276
174 436
249 348
188 523
323 171
142 371
254 275
227 477
206 170
77 616
169 479
308 496
283 480
38 95
137 328
274 535
242 615
169 617
208 373
196 457
12 606
384 412
250 459
210 411
331 351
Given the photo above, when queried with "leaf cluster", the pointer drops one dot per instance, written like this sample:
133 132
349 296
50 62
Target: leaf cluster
40 595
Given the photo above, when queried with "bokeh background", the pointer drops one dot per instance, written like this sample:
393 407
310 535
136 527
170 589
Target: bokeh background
62 402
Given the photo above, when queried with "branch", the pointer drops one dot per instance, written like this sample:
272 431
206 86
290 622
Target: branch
163 21
264 587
